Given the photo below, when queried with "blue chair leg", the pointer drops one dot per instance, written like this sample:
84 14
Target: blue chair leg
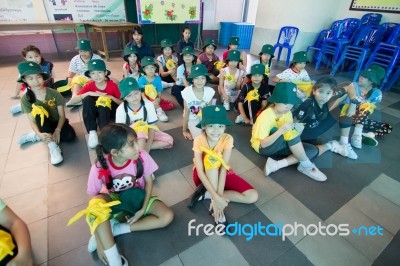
392 81
289 51
279 53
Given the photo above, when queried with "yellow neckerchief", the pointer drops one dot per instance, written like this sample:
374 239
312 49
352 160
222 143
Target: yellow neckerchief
267 70
141 126
6 244
104 101
212 159
97 212
229 77
150 91
39 110
367 106
253 95
218 65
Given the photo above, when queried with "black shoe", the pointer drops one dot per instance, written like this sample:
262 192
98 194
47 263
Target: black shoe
197 195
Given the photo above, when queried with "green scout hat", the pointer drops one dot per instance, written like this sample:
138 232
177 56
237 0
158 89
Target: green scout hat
96 65
83 44
374 73
208 42
198 70
234 40
147 61
286 93
215 114
267 49
28 68
166 43
300 57
256 69
128 51
188 50
127 85
233 55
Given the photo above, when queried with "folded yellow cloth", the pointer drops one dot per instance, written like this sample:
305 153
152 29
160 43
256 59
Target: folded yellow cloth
218 65
6 244
170 64
39 110
367 106
213 160
253 95
305 86
150 91
104 101
142 127
97 212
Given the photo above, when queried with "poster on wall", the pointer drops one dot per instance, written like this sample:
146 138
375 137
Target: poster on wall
168 11
86 10
385 6
20 10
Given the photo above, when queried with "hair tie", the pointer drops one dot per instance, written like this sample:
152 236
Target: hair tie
106 173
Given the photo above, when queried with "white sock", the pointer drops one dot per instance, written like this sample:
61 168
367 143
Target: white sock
207 195
113 256
121 228
282 163
344 140
307 163
329 145
165 85
358 130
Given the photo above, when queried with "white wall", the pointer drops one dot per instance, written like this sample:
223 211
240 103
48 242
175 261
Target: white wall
252 12
309 16
221 11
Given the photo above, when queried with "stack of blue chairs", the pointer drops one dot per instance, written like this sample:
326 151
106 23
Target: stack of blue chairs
319 41
330 50
360 47
371 19
245 33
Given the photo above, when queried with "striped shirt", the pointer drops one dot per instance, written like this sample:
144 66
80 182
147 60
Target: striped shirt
79 67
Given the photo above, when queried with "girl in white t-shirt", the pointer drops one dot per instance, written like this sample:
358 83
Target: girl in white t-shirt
195 97
231 79
141 115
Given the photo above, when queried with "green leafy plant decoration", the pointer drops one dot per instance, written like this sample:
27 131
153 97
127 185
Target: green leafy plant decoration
148 12
192 12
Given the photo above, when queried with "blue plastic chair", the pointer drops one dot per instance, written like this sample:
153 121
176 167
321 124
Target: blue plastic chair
319 41
389 27
387 56
371 19
331 48
394 37
286 39
360 47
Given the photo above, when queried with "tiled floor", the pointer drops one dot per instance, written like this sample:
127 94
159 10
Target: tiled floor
365 192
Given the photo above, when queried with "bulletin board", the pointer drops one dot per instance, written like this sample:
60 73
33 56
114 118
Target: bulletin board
387 6
22 10
168 11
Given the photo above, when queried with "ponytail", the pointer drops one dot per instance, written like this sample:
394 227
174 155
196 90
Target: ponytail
127 119
30 95
104 166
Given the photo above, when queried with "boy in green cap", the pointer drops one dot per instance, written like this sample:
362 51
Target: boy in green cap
231 79
212 174
275 134
253 96
167 63
209 59
78 67
363 97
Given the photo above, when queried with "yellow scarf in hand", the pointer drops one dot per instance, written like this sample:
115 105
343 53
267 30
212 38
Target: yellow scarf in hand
97 212
253 95
213 160
104 101
150 91
6 244
218 65
170 64
39 110
305 86
142 127
367 106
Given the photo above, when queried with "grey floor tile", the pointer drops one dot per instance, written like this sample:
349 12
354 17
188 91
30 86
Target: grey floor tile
78 256
70 168
63 238
292 257
172 188
387 188
239 163
390 256
187 172
39 240
286 209
378 209
369 245
331 250
259 250
213 250
67 194
174 261
24 179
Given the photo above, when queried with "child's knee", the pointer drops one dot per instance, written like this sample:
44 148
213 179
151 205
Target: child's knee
251 195
167 217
